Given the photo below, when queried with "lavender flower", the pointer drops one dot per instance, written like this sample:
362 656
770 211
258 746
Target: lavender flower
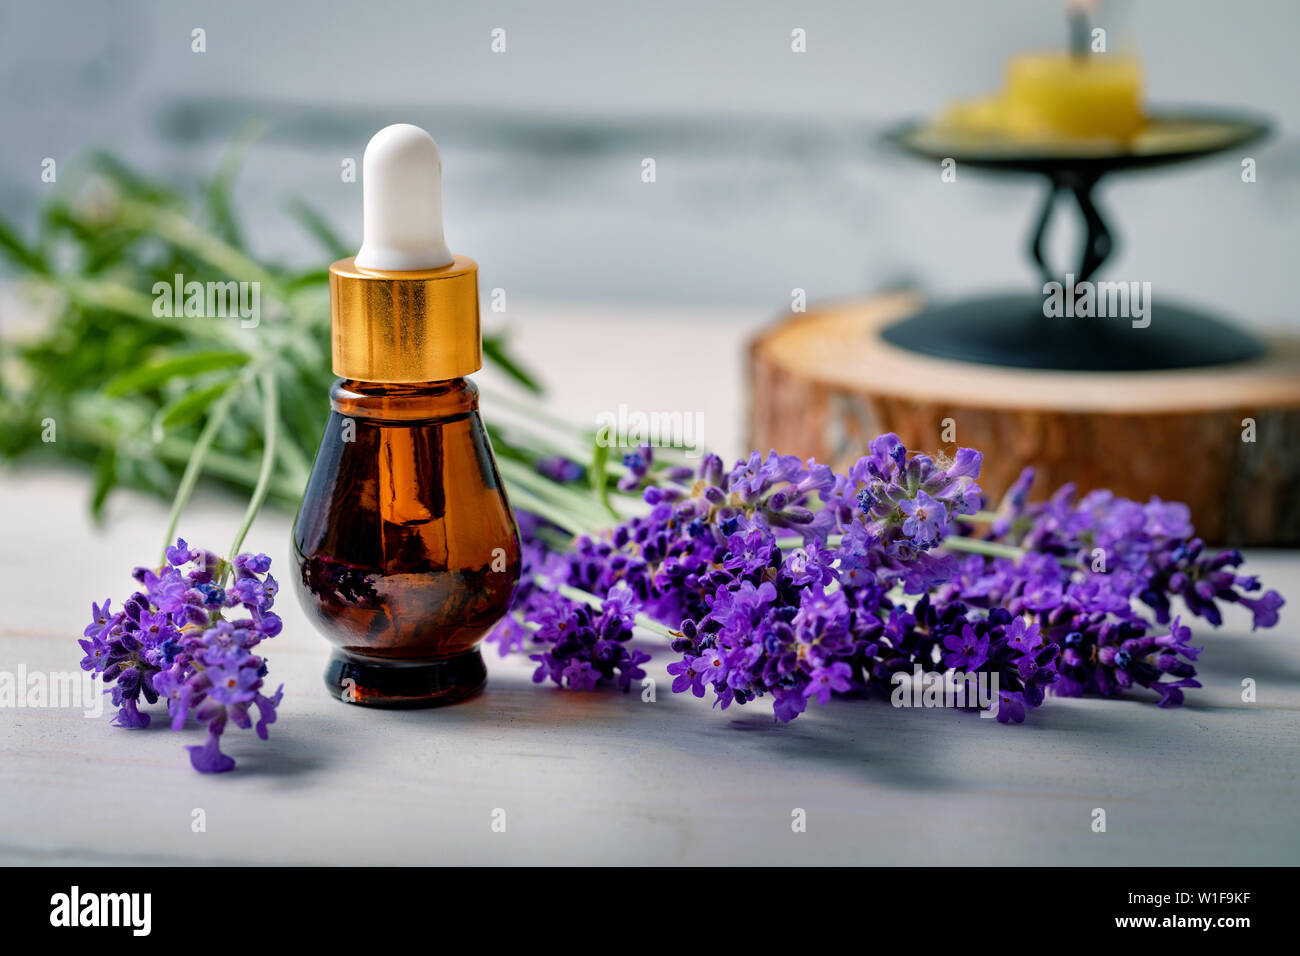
781 578
175 640
580 646
925 518
561 470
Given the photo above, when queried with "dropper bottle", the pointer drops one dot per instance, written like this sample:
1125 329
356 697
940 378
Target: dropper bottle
406 544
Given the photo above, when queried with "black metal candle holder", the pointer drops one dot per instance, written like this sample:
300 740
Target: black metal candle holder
1012 329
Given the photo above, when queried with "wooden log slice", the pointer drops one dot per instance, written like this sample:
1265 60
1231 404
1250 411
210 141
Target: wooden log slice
824 383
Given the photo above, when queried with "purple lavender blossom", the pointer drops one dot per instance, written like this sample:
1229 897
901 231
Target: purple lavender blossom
784 579
926 518
967 650
173 640
580 646
561 470
823 680
1011 707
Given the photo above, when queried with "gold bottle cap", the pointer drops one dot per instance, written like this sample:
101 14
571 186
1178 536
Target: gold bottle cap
404 327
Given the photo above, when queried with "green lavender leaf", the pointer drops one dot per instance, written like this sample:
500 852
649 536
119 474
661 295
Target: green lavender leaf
221 208
17 250
105 480
596 473
315 224
183 365
132 183
305 280
188 406
495 349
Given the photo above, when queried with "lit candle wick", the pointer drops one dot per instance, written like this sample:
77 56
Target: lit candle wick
1078 14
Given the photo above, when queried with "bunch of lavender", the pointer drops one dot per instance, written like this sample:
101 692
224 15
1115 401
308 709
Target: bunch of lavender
178 639
783 578
1089 562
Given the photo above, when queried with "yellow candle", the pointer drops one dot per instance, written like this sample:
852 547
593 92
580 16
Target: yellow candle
1060 94
983 115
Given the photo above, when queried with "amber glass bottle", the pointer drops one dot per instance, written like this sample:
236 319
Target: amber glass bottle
406 546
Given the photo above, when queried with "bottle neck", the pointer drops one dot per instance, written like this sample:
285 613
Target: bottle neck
413 402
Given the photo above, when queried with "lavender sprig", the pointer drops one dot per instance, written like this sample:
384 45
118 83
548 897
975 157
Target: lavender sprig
783 578
179 639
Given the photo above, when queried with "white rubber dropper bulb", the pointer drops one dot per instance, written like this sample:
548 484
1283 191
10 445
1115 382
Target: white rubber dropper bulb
401 190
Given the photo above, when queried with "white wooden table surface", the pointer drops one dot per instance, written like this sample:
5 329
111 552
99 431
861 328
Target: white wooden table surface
604 777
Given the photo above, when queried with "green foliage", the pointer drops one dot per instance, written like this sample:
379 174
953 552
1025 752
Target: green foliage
148 401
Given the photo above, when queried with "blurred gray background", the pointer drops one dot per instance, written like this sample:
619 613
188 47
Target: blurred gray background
770 176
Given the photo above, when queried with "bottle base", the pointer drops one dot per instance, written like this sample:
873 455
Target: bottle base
416 684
